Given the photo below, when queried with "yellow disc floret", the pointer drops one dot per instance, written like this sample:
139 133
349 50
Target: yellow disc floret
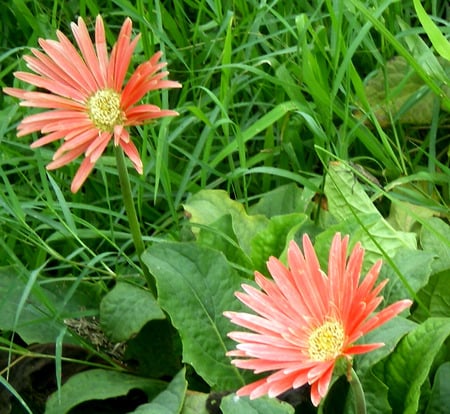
326 341
104 109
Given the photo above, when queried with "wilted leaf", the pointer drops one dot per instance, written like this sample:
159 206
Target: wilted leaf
398 90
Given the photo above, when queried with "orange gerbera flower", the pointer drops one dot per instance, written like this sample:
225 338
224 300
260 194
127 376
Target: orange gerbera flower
87 98
307 319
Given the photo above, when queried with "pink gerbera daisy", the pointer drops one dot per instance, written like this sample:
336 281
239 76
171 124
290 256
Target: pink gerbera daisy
307 320
87 100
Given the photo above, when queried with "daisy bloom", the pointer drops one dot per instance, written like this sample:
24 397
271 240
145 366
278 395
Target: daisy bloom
307 320
85 96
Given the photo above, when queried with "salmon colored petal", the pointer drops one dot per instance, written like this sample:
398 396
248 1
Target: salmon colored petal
82 174
131 151
309 279
47 100
101 49
66 158
81 73
363 348
58 88
265 305
49 69
97 146
121 54
305 319
71 62
75 79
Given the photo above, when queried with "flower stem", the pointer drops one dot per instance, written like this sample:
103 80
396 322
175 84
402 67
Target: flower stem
132 216
358 393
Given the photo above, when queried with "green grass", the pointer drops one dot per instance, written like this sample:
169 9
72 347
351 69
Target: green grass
273 91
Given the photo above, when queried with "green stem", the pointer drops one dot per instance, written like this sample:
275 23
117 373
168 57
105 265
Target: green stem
358 394
132 216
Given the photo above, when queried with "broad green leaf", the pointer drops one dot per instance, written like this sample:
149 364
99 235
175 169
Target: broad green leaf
195 286
35 322
220 235
126 309
99 384
156 350
273 240
285 199
232 404
440 299
207 206
435 297
409 366
439 402
414 265
390 334
438 40
434 238
375 393
347 201
195 403
168 401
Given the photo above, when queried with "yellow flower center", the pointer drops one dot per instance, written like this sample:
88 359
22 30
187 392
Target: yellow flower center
104 109
326 341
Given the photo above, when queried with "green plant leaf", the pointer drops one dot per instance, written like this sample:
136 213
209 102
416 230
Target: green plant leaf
408 367
434 239
367 365
168 401
414 265
440 43
156 349
195 286
439 402
232 404
390 334
376 394
220 235
126 309
435 297
207 206
285 199
99 384
272 240
349 203
195 403
39 319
